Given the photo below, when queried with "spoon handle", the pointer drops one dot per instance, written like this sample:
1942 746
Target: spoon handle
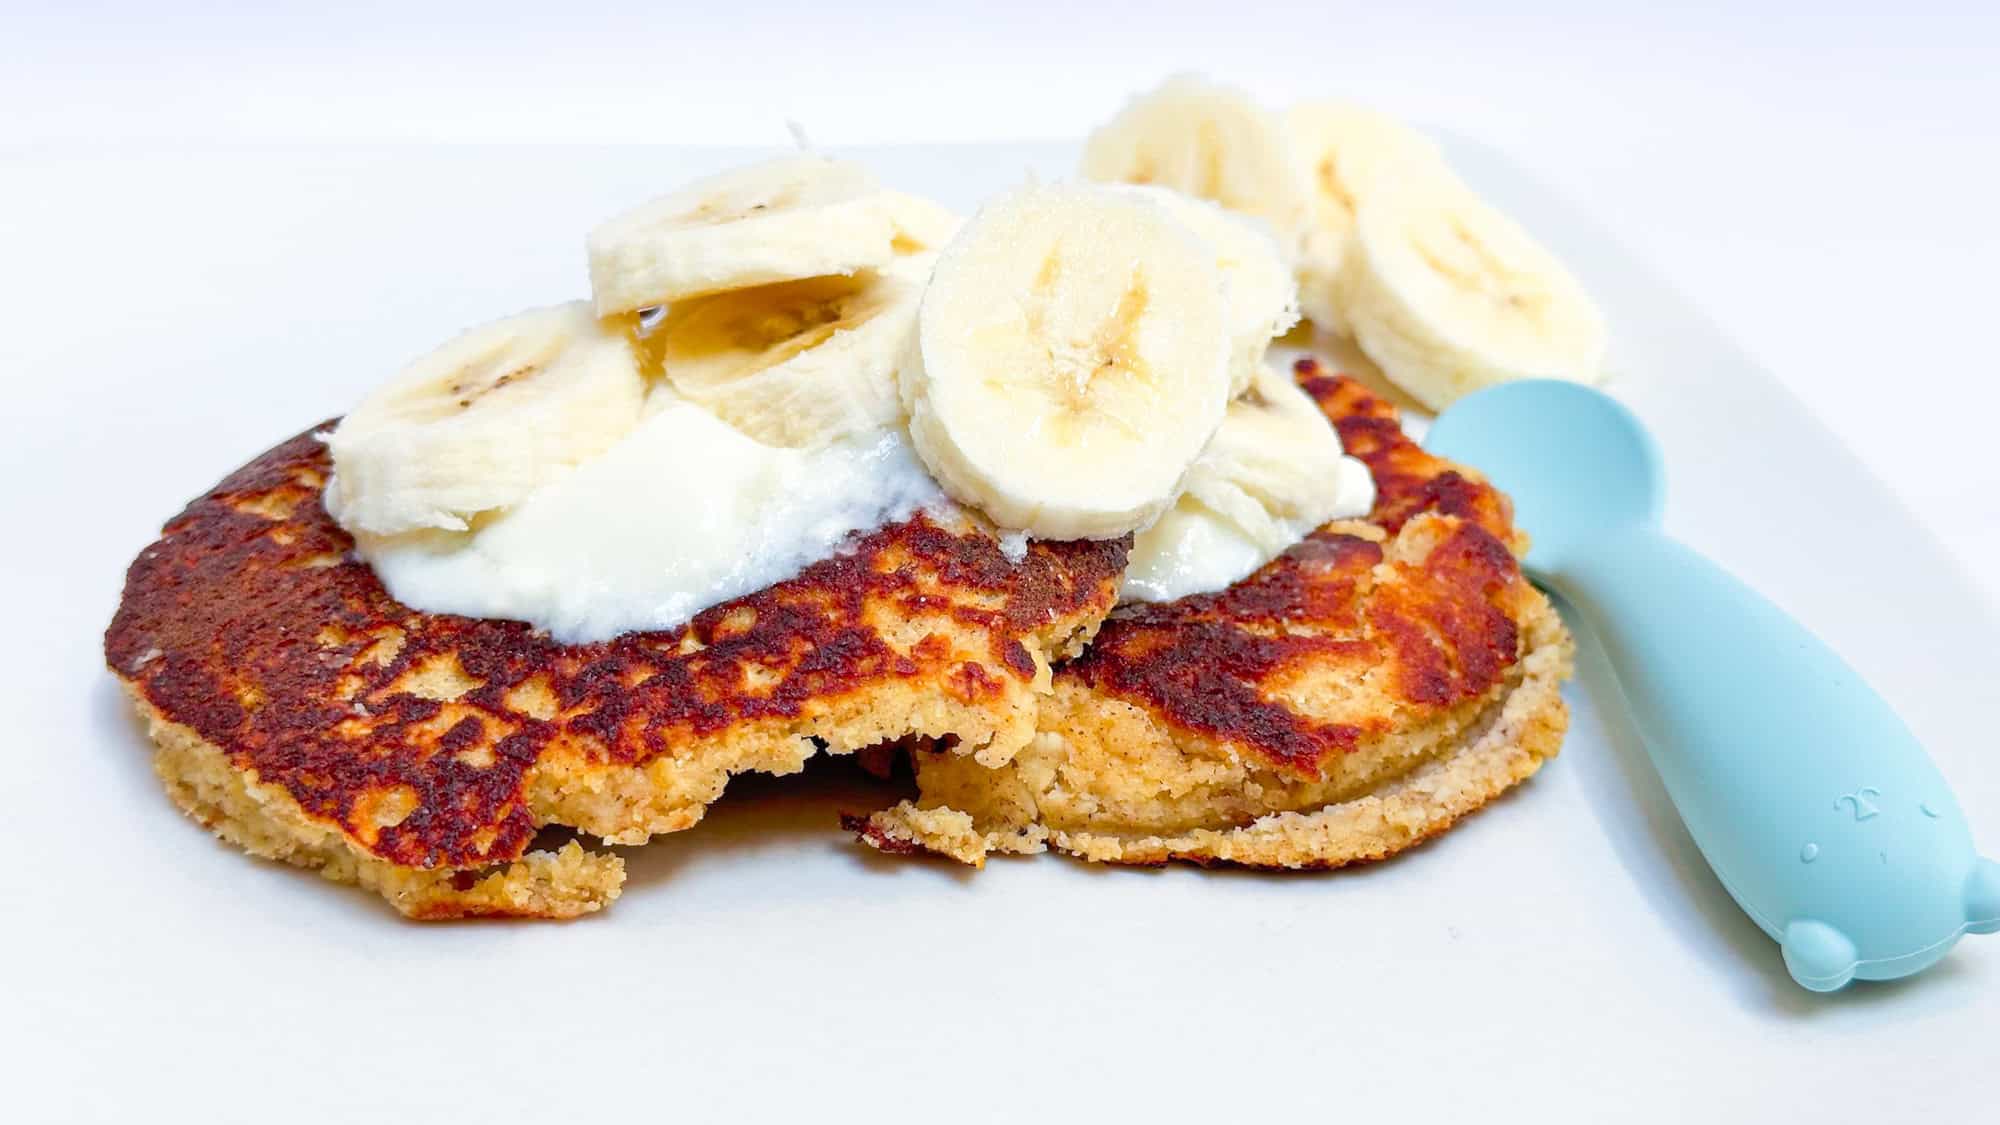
1813 802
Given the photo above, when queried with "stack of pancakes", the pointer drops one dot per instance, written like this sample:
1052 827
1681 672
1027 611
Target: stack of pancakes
1353 697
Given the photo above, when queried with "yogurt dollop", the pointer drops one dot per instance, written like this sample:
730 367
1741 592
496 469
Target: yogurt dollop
684 513
1193 549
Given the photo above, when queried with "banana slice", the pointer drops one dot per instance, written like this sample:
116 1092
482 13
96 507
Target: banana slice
1448 295
922 225
1273 472
1276 467
479 423
1263 298
792 217
1346 153
799 363
1207 140
1072 361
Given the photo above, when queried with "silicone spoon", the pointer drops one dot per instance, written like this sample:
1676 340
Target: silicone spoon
1813 802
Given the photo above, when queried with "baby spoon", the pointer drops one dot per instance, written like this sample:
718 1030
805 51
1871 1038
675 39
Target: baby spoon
1813 802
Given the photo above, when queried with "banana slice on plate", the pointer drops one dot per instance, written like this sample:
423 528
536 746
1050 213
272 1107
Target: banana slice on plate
1263 298
799 363
1346 153
1207 140
1448 295
780 220
1072 361
479 423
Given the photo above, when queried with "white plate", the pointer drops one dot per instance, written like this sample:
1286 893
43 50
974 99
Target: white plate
1566 950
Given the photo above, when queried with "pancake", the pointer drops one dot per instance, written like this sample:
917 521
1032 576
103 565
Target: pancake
303 714
1355 696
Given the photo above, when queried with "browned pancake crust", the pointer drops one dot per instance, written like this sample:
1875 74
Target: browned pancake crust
1441 636
252 624
1355 661
1408 481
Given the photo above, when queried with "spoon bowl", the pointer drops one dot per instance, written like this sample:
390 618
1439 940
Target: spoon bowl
1575 461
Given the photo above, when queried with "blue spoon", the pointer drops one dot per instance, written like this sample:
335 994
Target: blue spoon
1813 802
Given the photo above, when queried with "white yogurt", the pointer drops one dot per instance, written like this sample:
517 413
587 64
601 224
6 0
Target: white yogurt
1190 550
1194 549
683 514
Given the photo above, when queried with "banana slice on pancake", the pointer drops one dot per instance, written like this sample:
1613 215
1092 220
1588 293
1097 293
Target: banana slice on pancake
781 296
798 363
1072 361
780 220
1257 280
1276 467
479 423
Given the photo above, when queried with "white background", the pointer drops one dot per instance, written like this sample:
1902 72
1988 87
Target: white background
1819 179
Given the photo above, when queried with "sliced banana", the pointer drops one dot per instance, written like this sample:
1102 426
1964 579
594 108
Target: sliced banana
1206 140
1072 361
1263 298
1448 295
799 363
1276 465
1274 471
922 225
476 425
1346 153
780 220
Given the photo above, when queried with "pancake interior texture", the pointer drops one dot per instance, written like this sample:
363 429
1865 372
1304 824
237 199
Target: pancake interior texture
303 714
1354 697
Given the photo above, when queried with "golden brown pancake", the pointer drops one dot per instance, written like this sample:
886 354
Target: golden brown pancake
305 715
1355 696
